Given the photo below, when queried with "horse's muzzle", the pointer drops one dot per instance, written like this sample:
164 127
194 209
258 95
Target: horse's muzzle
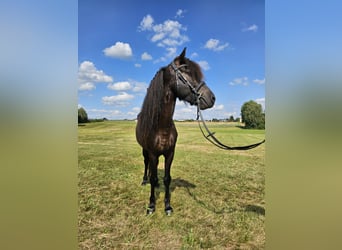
206 100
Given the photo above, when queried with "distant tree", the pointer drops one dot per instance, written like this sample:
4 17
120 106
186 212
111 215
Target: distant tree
252 115
82 116
231 118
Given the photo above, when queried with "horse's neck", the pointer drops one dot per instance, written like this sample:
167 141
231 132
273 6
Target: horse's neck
166 116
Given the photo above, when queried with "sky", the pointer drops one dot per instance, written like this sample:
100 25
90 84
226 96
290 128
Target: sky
122 44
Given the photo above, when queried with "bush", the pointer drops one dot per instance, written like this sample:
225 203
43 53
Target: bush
82 116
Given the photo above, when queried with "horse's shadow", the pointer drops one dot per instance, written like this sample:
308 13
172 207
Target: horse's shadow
178 182
175 183
255 209
181 183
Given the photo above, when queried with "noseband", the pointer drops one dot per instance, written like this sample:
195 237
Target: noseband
180 79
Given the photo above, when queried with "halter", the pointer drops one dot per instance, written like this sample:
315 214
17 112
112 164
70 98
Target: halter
180 77
210 137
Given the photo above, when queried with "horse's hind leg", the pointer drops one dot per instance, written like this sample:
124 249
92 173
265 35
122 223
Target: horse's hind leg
167 181
146 161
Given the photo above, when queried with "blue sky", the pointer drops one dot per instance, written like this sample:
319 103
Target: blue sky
122 44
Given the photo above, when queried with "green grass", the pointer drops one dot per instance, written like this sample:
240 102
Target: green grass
217 195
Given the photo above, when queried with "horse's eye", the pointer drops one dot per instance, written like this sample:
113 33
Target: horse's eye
186 68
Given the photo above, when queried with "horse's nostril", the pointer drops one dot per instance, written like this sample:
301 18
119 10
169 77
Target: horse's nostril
213 98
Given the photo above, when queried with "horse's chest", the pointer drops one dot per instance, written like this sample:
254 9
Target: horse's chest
165 139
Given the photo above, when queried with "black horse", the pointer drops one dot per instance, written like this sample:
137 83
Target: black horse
155 130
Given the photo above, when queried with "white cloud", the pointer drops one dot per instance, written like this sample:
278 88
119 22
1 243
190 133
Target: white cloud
253 28
184 111
101 113
119 50
146 23
145 56
170 42
119 100
194 55
180 13
161 59
88 75
239 81
261 101
115 112
171 52
120 86
137 65
259 81
130 84
87 86
136 109
169 34
158 37
139 87
204 65
218 112
218 107
105 111
133 113
215 45
166 34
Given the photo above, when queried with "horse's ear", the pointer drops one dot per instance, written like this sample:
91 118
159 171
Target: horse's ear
179 60
182 55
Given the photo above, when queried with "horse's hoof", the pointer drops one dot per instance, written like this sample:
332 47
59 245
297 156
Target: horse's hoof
168 211
150 210
145 181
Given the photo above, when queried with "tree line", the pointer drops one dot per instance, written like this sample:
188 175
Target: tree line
251 114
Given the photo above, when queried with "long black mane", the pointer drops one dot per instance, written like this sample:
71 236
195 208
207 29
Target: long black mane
194 69
152 105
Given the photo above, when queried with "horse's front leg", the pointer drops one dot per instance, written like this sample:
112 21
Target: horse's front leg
153 166
146 162
167 181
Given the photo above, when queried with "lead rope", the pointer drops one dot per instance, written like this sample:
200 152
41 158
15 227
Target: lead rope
210 137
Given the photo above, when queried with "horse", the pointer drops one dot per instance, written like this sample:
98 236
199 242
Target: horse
155 130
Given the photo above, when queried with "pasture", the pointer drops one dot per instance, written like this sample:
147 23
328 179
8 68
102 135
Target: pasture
218 196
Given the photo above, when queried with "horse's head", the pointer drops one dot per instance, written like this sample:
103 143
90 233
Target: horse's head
189 84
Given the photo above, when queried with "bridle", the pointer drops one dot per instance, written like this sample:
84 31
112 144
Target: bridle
180 79
197 97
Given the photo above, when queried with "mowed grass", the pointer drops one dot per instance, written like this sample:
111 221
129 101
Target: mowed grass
218 196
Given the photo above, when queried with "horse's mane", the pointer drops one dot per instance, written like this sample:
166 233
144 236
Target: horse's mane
194 69
152 105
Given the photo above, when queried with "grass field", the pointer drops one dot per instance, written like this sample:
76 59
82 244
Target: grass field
218 196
